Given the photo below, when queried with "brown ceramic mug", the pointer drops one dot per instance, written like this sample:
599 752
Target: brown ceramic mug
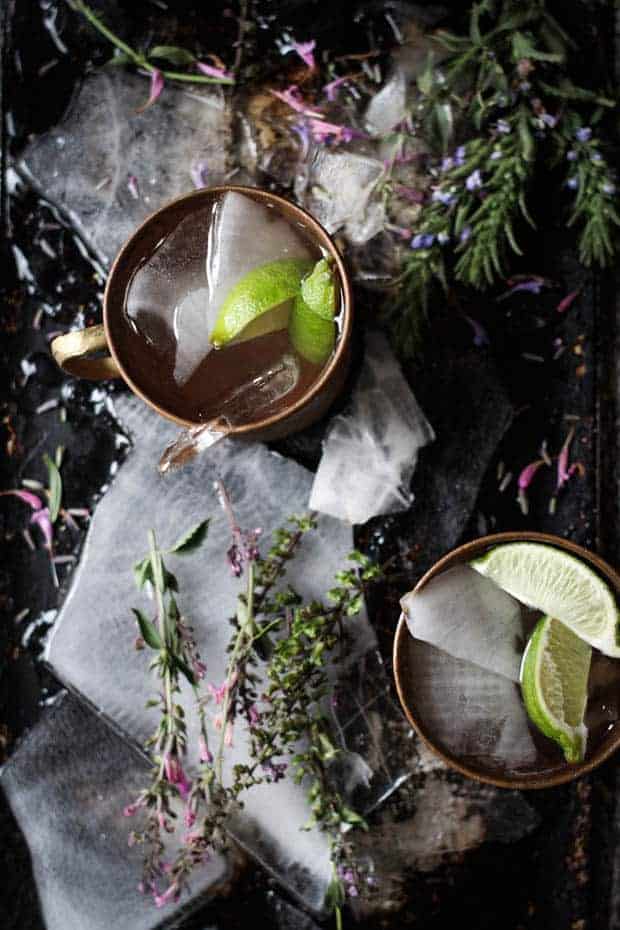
97 352
404 663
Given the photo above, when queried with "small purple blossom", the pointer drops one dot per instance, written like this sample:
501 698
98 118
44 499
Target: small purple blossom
442 196
583 134
609 188
422 241
474 181
495 154
304 50
170 894
502 126
459 156
275 770
447 164
322 131
132 186
175 774
331 88
549 120
571 155
199 171
157 85
352 891
573 183
205 753
214 72
465 234
596 157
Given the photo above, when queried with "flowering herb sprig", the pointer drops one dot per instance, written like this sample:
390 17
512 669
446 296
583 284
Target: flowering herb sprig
284 716
212 72
508 79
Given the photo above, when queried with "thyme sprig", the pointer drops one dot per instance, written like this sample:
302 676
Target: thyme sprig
284 708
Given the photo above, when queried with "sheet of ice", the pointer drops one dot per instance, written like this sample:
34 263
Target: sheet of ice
67 785
91 647
469 620
84 165
469 711
370 451
339 188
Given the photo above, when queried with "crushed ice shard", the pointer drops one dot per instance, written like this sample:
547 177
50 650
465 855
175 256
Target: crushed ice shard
370 451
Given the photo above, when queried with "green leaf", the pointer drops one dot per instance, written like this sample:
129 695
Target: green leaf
55 487
444 121
143 572
184 668
425 80
118 59
148 630
191 540
173 54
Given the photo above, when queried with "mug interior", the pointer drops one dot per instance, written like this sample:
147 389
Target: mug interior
141 246
405 661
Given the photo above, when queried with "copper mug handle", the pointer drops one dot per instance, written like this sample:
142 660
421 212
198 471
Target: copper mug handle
74 353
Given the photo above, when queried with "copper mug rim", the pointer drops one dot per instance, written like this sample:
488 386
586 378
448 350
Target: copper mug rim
120 268
465 552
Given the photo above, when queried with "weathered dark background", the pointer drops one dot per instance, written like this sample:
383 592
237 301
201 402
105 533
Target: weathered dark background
488 405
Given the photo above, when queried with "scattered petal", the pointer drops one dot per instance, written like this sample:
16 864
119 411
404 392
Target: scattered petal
31 499
214 72
199 172
43 521
157 85
132 186
331 88
565 303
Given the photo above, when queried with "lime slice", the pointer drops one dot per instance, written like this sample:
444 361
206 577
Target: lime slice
312 335
258 292
319 291
554 683
557 584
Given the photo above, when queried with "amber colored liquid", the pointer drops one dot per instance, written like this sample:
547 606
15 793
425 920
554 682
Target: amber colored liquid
148 348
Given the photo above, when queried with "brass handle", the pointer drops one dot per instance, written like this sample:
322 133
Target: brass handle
72 350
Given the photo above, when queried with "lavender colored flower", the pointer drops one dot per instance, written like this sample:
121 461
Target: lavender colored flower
445 197
549 120
447 163
199 171
275 770
459 155
474 181
571 155
596 157
573 183
465 233
583 134
609 188
495 154
422 241
502 126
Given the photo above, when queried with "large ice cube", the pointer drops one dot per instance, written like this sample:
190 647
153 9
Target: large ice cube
92 645
67 785
466 710
84 164
371 450
469 620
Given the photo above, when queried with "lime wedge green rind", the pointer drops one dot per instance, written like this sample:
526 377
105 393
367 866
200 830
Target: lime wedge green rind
256 293
558 584
311 335
554 684
319 290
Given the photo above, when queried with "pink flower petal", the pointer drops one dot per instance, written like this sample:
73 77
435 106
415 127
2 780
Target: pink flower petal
132 186
212 71
157 85
305 50
26 496
331 88
565 303
292 98
42 520
527 474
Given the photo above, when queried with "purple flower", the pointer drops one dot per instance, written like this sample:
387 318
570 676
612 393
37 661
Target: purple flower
474 181
495 154
211 71
175 774
322 131
219 694
170 894
459 155
275 770
573 183
609 188
205 754
465 234
352 891
305 51
199 171
549 120
447 164
422 241
502 126
527 474
132 186
583 134
445 197
596 157
571 155
157 85
564 471
330 89
253 715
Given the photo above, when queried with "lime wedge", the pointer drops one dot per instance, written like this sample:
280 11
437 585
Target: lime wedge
554 683
312 335
319 291
261 290
557 584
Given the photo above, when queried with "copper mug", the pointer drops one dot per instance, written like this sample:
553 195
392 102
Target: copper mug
96 353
